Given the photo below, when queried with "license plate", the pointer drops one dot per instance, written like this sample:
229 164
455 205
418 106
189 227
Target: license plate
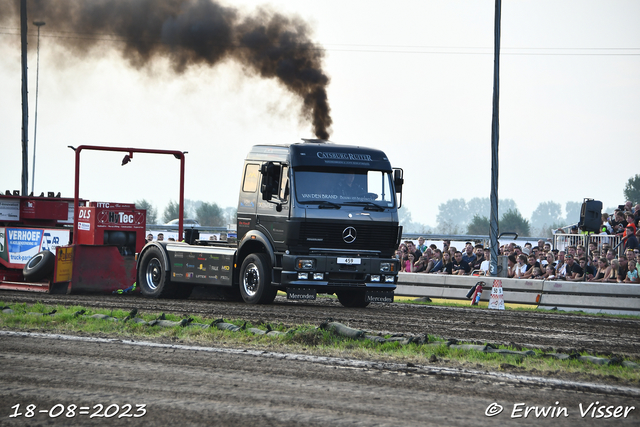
301 294
349 261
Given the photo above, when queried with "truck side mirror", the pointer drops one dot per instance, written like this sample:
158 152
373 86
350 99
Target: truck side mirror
398 181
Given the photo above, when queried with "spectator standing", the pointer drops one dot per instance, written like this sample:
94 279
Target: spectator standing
606 226
421 246
149 237
160 237
630 240
619 224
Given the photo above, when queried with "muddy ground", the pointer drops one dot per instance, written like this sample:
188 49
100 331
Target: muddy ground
216 386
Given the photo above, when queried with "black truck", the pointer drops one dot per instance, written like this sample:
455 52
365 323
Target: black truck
313 217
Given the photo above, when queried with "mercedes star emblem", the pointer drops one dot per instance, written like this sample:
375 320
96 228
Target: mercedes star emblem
349 235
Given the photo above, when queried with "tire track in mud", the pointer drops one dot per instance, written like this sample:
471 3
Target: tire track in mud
596 335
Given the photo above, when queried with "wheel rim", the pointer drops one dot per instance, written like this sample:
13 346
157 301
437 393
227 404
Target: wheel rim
153 274
35 260
251 279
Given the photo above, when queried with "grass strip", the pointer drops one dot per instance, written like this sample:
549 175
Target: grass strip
306 338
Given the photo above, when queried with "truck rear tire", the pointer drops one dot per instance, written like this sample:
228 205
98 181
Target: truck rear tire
39 266
255 283
352 299
153 278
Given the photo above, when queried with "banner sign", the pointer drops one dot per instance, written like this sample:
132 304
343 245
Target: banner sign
19 245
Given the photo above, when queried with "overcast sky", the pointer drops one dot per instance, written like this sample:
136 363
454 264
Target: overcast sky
413 78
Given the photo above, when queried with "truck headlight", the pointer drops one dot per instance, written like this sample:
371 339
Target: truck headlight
375 277
385 266
318 276
306 264
303 276
389 279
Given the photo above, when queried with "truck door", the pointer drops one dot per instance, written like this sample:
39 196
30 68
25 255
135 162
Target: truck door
272 213
248 200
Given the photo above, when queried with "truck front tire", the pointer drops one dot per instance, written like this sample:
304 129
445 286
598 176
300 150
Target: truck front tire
255 282
153 278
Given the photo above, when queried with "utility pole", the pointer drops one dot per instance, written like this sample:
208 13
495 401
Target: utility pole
25 100
493 226
35 124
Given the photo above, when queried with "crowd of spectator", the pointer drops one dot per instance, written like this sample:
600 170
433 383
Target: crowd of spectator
599 262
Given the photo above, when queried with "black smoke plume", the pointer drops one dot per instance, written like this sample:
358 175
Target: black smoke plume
192 32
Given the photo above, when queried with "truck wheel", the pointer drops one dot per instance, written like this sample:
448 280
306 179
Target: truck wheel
153 278
352 299
255 286
39 266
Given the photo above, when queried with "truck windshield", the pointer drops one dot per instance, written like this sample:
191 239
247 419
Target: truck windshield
366 188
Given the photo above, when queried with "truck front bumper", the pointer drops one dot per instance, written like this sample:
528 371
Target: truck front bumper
328 273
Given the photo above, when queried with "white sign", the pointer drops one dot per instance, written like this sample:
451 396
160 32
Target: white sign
9 210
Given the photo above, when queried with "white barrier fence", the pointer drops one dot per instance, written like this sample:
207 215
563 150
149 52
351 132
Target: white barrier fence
613 298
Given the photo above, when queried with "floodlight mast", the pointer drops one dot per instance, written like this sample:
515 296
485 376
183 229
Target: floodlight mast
177 154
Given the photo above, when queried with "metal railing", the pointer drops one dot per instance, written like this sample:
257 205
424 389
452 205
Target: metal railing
563 241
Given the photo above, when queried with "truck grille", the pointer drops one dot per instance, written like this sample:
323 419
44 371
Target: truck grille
368 236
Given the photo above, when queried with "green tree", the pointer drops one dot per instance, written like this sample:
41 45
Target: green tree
210 214
408 224
452 214
152 212
171 211
632 190
546 215
513 221
573 212
479 225
230 215
482 206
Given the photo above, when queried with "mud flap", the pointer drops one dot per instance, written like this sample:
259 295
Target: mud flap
378 296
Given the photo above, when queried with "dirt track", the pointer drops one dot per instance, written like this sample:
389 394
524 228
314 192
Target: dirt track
596 335
220 386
